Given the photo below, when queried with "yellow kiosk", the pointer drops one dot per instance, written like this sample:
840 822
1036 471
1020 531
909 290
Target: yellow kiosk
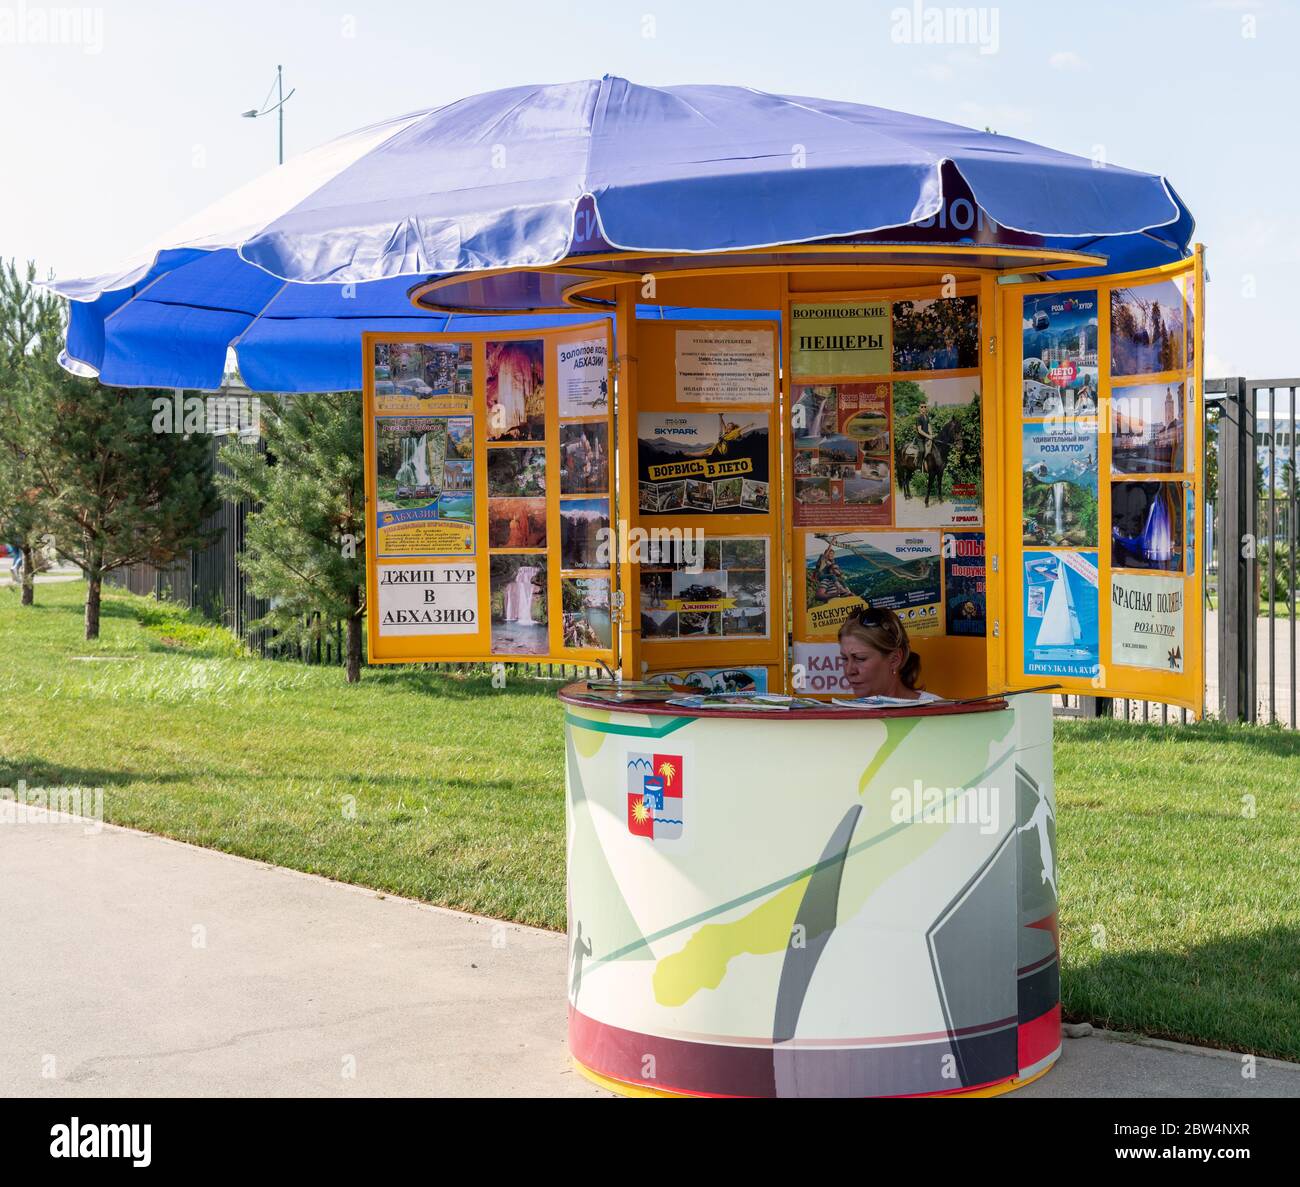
981 428
713 369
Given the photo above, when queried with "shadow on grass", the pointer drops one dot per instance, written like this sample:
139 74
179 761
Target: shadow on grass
37 772
1239 992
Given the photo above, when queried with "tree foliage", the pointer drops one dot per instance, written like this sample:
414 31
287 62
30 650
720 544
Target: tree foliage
304 542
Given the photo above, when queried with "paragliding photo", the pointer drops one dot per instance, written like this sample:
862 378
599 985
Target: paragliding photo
899 571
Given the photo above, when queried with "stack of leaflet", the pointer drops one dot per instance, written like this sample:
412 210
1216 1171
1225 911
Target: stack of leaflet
745 700
879 702
623 692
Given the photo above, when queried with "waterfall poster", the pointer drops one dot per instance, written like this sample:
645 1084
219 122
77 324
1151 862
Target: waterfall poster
702 463
1146 621
424 483
899 571
1147 525
1059 483
518 601
1060 614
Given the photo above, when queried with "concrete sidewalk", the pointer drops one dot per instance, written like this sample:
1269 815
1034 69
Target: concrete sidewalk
133 965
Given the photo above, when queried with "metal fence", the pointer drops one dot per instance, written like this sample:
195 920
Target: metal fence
1256 521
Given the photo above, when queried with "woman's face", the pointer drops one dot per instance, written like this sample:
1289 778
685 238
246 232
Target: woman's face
868 671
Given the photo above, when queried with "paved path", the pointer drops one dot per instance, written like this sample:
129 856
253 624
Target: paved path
133 965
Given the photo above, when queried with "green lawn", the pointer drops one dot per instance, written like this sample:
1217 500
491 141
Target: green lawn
1180 914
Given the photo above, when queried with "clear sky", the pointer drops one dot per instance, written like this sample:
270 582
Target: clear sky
132 123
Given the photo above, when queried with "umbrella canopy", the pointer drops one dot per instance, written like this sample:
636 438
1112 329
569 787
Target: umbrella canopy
291 267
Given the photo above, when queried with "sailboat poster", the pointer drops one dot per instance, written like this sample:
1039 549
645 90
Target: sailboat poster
1061 636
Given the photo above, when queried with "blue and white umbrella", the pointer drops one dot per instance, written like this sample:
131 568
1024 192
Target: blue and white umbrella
289 269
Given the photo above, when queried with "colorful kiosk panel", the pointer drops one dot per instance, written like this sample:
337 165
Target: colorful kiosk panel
708 563
489 477
1096 583
887 427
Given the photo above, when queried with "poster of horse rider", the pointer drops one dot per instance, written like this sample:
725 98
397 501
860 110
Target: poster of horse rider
716 455
899 571
1059 354
1147 329
938 453
937 334
841 454
1058 490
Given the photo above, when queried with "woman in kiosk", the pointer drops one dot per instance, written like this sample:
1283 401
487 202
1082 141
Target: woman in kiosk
878 660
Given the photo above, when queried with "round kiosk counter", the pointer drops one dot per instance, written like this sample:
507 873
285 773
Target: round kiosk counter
813 902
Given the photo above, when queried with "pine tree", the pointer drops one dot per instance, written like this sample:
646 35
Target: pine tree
118 493
303 546
28 318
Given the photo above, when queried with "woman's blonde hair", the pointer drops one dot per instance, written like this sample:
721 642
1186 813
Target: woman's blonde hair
883 630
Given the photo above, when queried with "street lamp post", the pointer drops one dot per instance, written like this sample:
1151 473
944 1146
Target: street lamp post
277 106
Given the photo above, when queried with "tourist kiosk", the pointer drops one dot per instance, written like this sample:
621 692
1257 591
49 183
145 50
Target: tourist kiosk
787 357
820 901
